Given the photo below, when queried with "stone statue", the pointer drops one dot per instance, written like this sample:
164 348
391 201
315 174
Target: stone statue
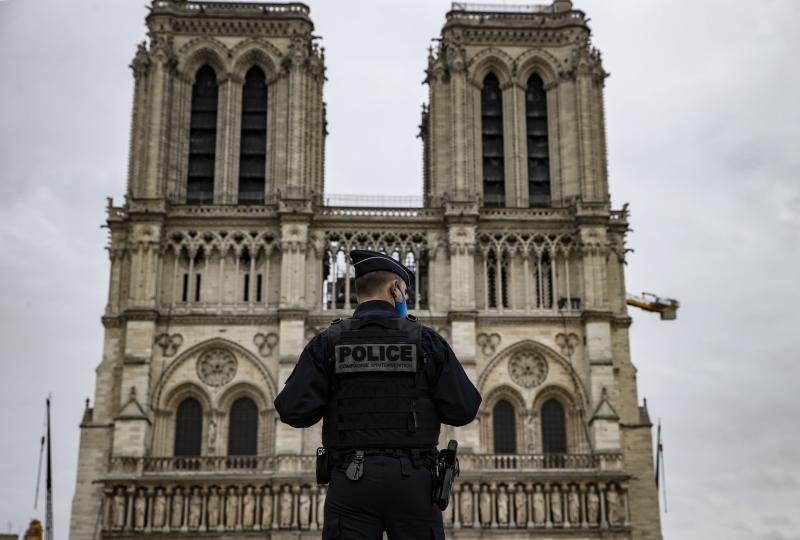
538 506
530 432
231 509
118 513
213 509
139 511
555 505
465 506
286 508
592 506
485 506
574 507
212 435
321 506
177 509
195 508
159 509
248 508
305 510
266 508
521 506
614 507
502 506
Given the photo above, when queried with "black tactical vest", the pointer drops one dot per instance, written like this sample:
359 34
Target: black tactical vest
380 395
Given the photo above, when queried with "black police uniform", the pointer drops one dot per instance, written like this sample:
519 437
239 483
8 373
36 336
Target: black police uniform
391 413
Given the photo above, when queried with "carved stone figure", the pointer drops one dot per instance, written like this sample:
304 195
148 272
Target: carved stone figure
555 505
231 509
323 491
305 510
177 509
266 508
213 508
248 508
592 506
502 506
212 435
465 506
614 507
139 510
574 505
195 508
521 506
286 508
159 509
118 513
538 506
485 506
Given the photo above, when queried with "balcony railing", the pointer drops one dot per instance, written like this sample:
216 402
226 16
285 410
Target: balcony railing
235 465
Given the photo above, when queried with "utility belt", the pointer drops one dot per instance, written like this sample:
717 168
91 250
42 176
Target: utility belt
443 465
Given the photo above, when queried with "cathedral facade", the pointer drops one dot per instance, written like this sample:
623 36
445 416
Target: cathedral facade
226 260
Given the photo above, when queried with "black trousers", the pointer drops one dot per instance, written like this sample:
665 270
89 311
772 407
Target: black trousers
391 496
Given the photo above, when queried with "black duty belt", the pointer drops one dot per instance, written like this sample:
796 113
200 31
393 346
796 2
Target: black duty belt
345 456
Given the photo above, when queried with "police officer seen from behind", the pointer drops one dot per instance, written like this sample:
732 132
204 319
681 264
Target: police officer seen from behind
383 384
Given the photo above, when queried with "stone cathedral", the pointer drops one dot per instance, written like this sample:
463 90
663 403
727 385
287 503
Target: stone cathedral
227 256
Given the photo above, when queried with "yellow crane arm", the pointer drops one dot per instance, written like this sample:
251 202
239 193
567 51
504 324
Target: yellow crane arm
666 307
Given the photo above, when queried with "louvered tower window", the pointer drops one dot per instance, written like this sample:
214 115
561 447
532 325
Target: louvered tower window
243 428
202 137
188 428
253 148
538 152
504 427
494 187
554 428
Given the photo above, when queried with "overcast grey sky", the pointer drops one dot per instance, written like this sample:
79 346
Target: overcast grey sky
703 129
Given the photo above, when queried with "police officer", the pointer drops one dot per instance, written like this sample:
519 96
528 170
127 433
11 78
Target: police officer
382 383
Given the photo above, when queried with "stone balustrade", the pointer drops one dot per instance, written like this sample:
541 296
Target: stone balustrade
470 463
140 506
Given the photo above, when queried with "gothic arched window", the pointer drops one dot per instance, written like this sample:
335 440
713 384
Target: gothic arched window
504 427
494 186
243 428
538 153
202 137
188 428
554 428
253 146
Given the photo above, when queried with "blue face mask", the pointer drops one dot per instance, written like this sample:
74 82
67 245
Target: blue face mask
401 306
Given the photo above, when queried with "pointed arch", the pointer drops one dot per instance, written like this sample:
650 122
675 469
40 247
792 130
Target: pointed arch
256 52
541 62
491 60
578 390
158 399
204 50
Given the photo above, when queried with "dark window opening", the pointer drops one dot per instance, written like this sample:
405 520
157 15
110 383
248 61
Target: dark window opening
202 138
554 428
197 287
538 151
185 294
246 294
491 279
188 428
243 428
253 146
494 188
259 282
504 427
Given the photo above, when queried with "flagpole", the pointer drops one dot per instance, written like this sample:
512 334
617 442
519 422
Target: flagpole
49 484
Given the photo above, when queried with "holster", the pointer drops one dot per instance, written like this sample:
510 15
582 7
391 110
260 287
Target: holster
444 474
323 466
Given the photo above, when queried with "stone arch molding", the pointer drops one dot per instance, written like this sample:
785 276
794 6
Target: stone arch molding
538 61
495 61
256 52
201 51
181 373
560 373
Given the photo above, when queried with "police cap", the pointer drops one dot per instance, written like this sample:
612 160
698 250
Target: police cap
365 262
